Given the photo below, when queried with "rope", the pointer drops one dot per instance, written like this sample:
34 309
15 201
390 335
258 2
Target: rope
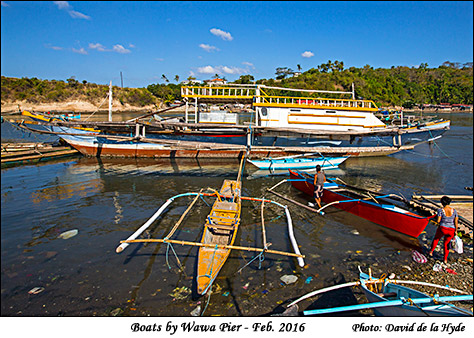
98 107
441 150
410 301
169 245
261 254
207 303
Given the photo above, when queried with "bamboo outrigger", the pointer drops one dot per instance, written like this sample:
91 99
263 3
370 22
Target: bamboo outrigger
219 232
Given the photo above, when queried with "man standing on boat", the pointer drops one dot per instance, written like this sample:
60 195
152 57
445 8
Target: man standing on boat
319 180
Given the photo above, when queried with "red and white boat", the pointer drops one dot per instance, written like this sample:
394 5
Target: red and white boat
373 208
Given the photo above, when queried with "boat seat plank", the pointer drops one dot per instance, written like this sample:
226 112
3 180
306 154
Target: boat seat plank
220 226
218 218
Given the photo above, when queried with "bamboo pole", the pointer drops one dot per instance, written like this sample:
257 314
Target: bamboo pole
158 112
264 236
183 215
453 197
219 246
293 201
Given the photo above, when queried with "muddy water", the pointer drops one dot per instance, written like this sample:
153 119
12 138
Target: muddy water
106 200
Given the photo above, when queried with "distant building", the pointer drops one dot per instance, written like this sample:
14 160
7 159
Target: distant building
296 74
190 82
215 82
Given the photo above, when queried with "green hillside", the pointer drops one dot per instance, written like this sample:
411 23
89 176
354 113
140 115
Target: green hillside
398 86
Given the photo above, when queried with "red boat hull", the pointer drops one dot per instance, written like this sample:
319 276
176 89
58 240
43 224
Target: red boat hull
406 223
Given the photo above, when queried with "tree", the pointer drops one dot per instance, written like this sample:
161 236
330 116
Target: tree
245 79
298 67
176 78
216 76
163 76
283 72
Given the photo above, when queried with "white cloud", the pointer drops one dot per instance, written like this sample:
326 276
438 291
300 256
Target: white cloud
120 49
80 51
4 4
207 70
131 45
97 46
220 70
62 4
116 48
307 54
77 15
74 14
53 47
223 35
248 64
208 48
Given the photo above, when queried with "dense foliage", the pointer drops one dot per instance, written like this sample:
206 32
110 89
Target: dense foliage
398 86
449 83
35 91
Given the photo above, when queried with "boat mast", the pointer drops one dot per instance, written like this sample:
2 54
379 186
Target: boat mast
110 102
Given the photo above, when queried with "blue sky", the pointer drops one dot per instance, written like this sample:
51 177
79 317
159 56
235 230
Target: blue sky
96 40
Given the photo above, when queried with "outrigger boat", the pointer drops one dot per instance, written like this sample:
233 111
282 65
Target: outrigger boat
219 233
374 208
298 162
387 298
277 126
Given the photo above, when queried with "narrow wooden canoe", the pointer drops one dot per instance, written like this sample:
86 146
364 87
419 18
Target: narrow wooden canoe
220 228
380 212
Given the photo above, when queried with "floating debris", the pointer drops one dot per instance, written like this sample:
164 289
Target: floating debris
225 294
437 267
289 279
36 290
180 293
308 280
355 232
196 311
116 312
392 276
406 267
68 234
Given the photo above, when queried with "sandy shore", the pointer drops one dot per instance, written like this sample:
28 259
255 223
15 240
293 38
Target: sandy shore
73 106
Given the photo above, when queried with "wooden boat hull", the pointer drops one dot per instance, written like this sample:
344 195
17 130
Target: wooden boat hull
298 163
380 293
220 228
385 215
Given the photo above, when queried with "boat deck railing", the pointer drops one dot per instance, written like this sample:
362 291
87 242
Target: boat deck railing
255 95
308 102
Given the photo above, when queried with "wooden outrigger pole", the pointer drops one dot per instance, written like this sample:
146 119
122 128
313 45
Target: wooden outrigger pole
220 230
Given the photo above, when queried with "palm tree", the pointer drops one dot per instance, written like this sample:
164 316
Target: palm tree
163 76
299 67
176 78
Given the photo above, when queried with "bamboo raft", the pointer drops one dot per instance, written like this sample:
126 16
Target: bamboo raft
25 153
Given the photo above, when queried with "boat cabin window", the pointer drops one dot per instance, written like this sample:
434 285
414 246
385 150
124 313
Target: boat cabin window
295 109
331 111
264 111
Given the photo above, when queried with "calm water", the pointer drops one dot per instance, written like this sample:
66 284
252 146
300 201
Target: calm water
106 200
